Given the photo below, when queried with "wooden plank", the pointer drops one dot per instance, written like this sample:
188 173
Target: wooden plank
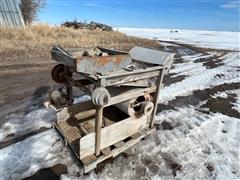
131 143
88 167
82 106
111 134
88 126
85 131
98 128
119 144
156 97
47 104
89 159
136 135
85 114
108 123
80 110
65 114
93 165
69 132
72 134
129 95
139 83
130 78
106 151
124 72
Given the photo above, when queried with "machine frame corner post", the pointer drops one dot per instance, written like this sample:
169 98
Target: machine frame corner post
98 127
156 96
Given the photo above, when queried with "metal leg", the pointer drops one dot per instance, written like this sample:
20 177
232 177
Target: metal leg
98 128
69 89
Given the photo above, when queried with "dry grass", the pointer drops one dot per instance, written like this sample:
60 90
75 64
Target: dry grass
37 40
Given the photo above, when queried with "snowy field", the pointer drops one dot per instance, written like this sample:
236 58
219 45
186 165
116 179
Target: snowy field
198 121
205 39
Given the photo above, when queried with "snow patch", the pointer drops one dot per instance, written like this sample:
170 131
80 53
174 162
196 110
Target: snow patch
20 124
81 99
25 158
205 39
199 78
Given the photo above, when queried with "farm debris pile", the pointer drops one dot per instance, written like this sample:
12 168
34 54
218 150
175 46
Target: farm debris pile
83 25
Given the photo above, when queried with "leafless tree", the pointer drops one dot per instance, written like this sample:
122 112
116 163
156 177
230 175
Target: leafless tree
30 8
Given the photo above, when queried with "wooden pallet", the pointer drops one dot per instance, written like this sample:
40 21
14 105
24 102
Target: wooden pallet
72 130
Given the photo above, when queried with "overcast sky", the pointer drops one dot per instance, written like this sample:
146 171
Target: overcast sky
174 14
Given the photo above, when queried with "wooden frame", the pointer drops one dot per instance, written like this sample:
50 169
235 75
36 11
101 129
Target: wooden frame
90 162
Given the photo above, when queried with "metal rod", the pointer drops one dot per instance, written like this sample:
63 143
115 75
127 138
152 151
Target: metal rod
68 83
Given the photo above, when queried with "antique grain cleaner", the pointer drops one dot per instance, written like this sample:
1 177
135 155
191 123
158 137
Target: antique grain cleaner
122 91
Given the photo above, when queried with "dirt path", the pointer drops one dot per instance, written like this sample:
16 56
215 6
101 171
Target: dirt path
21 81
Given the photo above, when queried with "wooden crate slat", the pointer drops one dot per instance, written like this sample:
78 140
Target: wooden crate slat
116 151
130 78
89 159
111 134
106 151
71 133
119 144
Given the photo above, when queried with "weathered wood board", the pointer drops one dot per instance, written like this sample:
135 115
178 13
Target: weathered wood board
111 135
124 96
91 162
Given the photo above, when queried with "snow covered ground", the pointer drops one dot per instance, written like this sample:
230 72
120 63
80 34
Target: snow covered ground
206 39
198 126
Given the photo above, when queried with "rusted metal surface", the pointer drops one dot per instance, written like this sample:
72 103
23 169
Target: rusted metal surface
102 64
84 62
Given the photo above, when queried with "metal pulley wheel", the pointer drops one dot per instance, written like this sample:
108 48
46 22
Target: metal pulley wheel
58 74
100 96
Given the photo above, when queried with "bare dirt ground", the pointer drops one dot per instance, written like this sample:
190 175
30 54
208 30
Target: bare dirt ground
24 84
19 81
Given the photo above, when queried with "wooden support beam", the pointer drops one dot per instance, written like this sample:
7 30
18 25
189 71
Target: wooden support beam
156 96
117 96
98 127
81 107
130 78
